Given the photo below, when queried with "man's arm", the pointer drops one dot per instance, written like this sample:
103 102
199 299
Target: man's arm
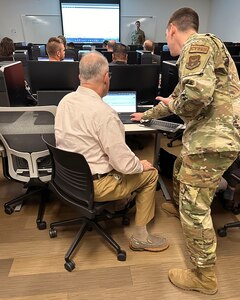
121 158
156 112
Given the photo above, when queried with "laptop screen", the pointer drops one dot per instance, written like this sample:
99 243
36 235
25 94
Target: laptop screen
122 101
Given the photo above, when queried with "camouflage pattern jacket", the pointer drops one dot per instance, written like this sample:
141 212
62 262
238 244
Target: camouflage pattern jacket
207 97
138 37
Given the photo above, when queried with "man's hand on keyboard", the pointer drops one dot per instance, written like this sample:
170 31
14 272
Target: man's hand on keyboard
163 100
146 165
136 116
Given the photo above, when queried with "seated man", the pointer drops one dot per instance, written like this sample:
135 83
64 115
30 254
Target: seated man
119 55
149 46
87 125
55 49
110 45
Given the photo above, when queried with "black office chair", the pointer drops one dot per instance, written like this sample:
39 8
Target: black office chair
26 157
222 232
72 182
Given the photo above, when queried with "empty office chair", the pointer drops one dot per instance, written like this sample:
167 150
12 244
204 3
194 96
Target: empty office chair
27 157
72 182
222 232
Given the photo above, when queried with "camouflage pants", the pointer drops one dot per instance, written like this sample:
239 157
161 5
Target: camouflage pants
195 179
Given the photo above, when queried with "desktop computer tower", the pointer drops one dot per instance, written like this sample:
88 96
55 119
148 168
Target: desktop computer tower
169 77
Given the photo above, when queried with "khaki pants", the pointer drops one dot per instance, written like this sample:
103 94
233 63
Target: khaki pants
196 178
117 186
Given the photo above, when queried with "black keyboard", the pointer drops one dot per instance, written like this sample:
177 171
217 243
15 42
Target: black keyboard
125 118
164 126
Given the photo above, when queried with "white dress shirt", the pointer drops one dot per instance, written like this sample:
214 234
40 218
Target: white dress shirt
86 125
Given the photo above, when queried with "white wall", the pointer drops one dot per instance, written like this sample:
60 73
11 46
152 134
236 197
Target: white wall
11 11
224 20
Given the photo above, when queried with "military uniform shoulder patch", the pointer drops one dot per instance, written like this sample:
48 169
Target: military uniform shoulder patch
199 49
193 62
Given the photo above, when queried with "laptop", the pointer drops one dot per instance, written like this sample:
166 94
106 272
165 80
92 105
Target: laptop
124 103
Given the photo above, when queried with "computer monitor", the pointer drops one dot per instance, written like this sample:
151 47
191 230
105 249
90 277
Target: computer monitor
169 78
12 89
143 79
53 75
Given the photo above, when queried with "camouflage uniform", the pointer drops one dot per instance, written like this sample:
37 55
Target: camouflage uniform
207 98
138 37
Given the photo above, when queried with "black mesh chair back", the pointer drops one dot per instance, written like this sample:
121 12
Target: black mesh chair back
72 183
71 176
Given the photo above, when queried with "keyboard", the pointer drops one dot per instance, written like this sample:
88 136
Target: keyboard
164 126
125 118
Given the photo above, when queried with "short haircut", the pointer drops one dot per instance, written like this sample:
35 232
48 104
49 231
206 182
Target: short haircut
148 45
111 43
63 39
138 22
120 50
184 19
92 66
53 45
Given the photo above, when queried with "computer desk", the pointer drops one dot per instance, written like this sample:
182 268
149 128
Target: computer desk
141 129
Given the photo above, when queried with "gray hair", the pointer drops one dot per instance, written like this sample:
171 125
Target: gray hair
92 66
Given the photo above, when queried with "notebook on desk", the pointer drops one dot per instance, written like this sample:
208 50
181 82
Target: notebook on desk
123 102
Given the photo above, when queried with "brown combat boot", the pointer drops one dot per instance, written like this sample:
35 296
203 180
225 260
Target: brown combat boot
171 209
200 279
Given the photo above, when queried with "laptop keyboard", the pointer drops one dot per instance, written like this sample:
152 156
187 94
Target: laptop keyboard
125 118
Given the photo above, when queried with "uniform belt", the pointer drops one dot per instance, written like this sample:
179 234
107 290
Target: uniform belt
98 176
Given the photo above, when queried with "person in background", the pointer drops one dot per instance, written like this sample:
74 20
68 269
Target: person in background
149 46
110 45
138 35
7 47
104 44
55 49
165 48
85 124
63 39
119 55
207 98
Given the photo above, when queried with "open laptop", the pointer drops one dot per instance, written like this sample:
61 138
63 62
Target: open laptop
123 102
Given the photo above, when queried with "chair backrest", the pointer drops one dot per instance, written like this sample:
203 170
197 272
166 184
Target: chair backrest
71 175
20 133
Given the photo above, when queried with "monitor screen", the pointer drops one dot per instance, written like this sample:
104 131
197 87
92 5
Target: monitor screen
121 101
90 21
15 83
143 79
53 75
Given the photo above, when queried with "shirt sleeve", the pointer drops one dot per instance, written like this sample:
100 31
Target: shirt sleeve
158 111
112 139
197 81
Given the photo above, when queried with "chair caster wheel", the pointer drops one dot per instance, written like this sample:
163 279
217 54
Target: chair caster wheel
41 225
121 256
53 233
8 210
69 265
125 221
222 232
169 145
